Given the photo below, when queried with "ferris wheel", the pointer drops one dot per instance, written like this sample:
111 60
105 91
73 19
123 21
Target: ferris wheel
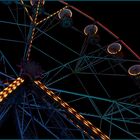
65 75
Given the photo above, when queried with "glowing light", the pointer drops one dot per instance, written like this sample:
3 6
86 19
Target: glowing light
59 98
55 98
134 70
69 109
18 83
5 95
114 48
86 123
17 79
64 13
49 93
26 10
72 111
14 87
10 88
3 92
90 29
55 13
33 2
63 104
5 89
1 99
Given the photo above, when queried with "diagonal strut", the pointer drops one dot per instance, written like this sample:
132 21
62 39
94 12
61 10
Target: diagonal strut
72 111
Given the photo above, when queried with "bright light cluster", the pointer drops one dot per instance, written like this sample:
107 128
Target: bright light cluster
114 48
134 70
71 110
90 29
10 88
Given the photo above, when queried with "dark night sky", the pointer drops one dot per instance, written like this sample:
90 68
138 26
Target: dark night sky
120 17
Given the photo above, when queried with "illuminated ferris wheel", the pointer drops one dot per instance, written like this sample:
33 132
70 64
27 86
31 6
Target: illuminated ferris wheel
65 75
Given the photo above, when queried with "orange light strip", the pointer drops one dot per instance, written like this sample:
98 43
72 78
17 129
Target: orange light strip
85 132
51 15
10 88
71 110
33 30
26 10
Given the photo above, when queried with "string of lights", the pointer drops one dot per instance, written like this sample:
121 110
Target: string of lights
35 23
10 88
33 30
71 110
26 10
79 127
48 17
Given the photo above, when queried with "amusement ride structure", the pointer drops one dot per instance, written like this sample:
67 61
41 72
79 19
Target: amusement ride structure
61 74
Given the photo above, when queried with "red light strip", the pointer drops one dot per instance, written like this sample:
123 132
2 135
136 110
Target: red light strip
10 88
102 26
71 110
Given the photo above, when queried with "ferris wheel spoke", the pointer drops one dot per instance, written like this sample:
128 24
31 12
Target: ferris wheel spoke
59 71
47 55
124 99
93 97
42 125
116 111
13 23
16 20
82 95
19 125
86 91
114 59
6 75
122 117
48 26
31 33
59 68
125 131
125 120
11 40
5 61
101 74
71 110
62 44
39 118
4 110
26 10
129 110
63 77
93 69
51 15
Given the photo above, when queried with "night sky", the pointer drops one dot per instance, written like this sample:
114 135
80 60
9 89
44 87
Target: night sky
120 17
